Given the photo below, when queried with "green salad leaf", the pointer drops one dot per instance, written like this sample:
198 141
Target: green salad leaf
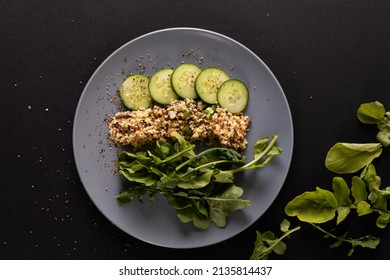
375 113
222 205
199 186
371 113
317 206
345 158
365 195
267 242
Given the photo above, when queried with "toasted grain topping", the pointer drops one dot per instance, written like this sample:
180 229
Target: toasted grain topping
191 118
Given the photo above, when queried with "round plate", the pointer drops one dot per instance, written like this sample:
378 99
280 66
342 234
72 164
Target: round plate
95 154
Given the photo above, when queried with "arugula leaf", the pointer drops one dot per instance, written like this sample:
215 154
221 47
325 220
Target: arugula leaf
222 205
383 220
371 113
317 206
267 243
129 195
363 208
321 206
190 210
367 241
125 197
224 176
375 113
383 136
200 187
143 177
265 150
195 181
370 177
213 156
358 189
341 193
345 158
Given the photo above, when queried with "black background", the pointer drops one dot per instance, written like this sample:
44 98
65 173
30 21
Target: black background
329 57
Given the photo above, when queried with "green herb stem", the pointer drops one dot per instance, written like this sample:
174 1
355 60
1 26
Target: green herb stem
213 163
338 238
328 233
177 154
267 250
157 171
287 233
258 158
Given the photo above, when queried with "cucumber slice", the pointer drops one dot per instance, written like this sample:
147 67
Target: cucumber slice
134 92
208 82
233 95
183 80
160 86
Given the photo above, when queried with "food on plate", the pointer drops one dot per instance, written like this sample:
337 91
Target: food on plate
177 108
160 86
134 92
212 85
192 118
183 80
233 95
199 186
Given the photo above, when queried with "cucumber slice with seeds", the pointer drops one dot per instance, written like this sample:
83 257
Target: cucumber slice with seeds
233 95
160 86
183 80
208 82
134 92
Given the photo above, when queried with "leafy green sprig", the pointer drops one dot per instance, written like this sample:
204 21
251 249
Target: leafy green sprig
200 187
267 243
364 196
375 113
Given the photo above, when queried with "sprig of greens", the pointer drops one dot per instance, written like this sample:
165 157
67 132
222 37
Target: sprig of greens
375 113
200 187
364 196
367 241
267 243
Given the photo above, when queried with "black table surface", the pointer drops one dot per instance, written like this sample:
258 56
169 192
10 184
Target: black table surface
329 57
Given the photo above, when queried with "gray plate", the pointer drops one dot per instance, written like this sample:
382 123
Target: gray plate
95 155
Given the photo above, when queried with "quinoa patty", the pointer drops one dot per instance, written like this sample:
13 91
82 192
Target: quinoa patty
193 119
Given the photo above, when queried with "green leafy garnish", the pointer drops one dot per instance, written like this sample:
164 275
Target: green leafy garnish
344 158
316 207
367 241
200 187
267 243
365 196
375 113
371 113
